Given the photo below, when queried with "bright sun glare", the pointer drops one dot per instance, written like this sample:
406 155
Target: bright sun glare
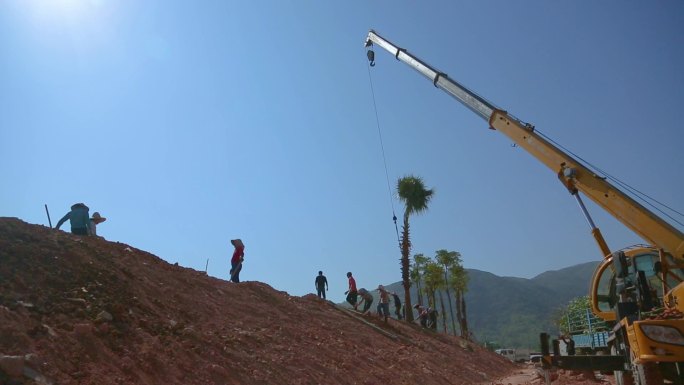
63 9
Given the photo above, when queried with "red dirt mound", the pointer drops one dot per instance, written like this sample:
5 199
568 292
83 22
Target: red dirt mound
82 310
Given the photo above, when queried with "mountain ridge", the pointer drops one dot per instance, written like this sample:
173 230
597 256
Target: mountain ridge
530 303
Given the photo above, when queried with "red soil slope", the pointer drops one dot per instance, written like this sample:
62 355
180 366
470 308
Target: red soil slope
80 310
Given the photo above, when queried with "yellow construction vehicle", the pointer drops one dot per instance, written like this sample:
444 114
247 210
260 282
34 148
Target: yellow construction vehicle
640 289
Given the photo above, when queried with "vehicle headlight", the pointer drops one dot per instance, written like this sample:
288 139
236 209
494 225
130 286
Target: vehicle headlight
664 334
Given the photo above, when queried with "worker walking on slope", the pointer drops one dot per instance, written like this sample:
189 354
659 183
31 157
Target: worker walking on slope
78 218
383 305
236 261
366 299
397 306
427 317
351 292
321 285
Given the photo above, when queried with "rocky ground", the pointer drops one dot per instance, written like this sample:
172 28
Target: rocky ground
81 310
531 375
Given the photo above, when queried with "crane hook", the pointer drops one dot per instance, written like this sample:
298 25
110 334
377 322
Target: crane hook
371 57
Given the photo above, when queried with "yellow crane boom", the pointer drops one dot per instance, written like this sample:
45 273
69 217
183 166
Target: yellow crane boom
645 349
574 175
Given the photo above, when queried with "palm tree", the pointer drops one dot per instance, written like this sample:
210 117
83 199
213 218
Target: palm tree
459 281
448 259
417 270
412 192
434 281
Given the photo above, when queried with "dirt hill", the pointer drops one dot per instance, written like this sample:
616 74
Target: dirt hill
82 310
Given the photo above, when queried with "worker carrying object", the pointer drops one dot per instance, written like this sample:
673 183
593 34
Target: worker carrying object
366 300
78 218
427 316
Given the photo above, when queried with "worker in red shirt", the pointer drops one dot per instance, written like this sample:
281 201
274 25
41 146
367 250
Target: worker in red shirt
351 293
236 261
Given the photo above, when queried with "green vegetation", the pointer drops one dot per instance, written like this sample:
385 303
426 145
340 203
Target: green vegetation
510 312
416 275
435 276
577 318
448 259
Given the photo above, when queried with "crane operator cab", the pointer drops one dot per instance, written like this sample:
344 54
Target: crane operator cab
634 276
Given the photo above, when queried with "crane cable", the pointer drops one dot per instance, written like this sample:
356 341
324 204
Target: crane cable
635 193
370 64
643 197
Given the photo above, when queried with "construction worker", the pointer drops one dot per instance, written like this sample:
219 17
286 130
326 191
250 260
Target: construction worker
427 317
94 221
569 344
383 304
236 261
78 218
366 299
351 292
397 305
321 284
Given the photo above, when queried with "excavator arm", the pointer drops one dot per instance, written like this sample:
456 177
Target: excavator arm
574 175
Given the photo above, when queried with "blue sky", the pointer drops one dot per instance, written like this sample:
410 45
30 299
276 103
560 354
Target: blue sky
187 124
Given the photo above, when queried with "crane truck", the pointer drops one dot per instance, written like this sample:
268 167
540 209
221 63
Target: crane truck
639 290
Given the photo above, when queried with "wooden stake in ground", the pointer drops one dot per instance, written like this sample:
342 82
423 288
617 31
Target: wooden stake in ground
48 214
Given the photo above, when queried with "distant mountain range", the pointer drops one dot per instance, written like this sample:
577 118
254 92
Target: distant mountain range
511 312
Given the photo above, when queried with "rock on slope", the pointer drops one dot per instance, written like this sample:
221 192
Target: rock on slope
88 311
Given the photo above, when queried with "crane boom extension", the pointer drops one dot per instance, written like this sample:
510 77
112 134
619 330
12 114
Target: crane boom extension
574 175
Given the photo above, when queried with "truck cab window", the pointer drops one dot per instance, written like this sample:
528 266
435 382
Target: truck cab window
607 296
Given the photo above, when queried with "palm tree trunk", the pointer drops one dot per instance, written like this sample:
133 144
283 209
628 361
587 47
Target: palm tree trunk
464 323
420 294
444 323
451 311
405 265
458 310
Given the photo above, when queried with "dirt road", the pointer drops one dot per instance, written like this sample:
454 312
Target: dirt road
529 375
520 376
